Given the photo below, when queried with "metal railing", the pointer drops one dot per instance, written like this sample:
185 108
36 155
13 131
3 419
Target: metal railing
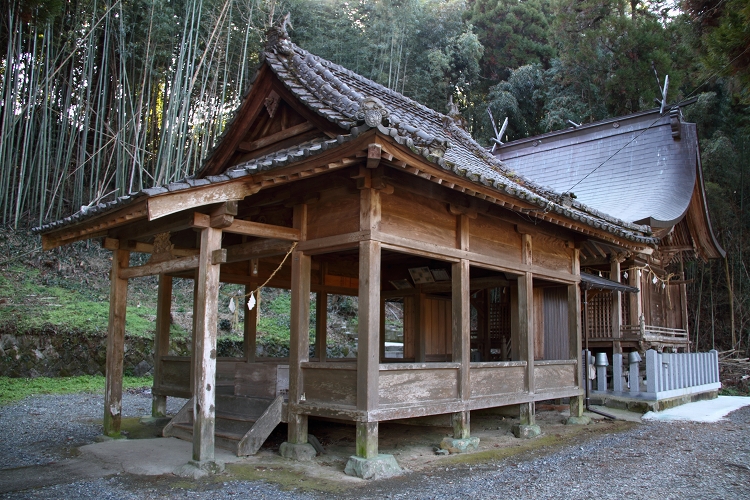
667 374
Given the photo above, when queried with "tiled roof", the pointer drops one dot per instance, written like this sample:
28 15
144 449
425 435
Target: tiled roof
337 94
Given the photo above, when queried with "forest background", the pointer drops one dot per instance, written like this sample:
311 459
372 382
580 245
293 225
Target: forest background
100 98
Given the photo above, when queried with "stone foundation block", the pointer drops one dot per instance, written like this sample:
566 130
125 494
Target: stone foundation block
378 467
197 470
526 431
300 452
584 420
459 445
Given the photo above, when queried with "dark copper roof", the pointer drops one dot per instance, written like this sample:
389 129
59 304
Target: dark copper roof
639 168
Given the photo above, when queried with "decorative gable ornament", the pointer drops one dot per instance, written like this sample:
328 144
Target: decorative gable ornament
372 111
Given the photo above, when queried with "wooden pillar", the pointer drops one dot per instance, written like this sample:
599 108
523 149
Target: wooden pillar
321 326
526 341
204 348
614 275
118 295
299 342
461 349
250 327
636 306
368 345
526 332
575 347
161 341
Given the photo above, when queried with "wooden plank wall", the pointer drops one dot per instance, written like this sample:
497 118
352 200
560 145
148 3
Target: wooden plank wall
337 212
492 236
332 383
552 253
556 339
410 329
411 385
554 375
497 380
436 327
538 323
417 217
257 380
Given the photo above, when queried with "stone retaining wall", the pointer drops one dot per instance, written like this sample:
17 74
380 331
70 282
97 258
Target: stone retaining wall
52 354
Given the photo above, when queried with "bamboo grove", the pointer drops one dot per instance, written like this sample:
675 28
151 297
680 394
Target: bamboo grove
100 98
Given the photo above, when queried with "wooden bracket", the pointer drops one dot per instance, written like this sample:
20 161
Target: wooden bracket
363 177
470 212
374 153
219 256
110 244
200 221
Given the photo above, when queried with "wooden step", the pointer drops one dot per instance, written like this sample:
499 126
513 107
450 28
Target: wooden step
242 424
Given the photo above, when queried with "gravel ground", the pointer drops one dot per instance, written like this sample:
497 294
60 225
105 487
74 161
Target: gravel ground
653 460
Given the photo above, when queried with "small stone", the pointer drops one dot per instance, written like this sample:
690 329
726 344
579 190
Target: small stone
439 451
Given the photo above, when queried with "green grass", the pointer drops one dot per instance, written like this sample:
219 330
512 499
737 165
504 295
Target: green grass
34 305
15 389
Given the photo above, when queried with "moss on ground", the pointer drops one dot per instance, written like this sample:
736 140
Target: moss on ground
15 389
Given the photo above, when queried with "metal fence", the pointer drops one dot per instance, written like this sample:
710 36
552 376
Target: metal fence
667 375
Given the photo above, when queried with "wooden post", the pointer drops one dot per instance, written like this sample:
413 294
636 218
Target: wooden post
574 346
368 345
526 341
161 341
118 295
250 327
461 352
204 348
636 307
321 326
526 332
299 342
614 275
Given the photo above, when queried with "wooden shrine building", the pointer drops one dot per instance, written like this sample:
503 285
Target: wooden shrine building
375 196
645 170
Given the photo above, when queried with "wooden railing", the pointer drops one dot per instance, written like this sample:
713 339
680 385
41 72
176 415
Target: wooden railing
652 333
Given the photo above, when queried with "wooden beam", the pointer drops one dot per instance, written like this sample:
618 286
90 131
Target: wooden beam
161 340
140 247
178 201
252 250
93 228
168 266
204 373
246 115
118 296
249 146
249 228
